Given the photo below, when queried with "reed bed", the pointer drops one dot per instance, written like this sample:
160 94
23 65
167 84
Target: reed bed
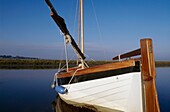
40 63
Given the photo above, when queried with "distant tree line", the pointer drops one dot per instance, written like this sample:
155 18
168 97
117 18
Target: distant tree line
19 62
15 57
162 63
40 63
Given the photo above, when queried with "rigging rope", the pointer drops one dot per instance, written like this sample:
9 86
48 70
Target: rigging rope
89 57
75 16
68 62
98 27
68 85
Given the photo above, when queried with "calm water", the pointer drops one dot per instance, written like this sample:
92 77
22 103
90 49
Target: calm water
163 88
29 90
26 90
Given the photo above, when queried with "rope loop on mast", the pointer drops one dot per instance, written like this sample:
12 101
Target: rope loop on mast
67 39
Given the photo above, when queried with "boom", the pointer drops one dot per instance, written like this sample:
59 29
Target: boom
61 24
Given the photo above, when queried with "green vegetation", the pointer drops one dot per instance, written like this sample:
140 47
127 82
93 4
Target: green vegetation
40 63
162 63
15 57
53 64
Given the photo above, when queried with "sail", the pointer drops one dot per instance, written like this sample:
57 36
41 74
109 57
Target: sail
61 24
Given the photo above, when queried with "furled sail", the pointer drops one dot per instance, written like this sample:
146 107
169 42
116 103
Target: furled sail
61 24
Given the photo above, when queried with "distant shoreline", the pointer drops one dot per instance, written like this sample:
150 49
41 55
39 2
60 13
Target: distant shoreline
53 64
162 63
41 63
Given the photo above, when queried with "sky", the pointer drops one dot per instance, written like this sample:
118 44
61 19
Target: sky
112 27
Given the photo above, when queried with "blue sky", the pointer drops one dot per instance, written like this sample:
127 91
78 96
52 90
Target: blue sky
114 27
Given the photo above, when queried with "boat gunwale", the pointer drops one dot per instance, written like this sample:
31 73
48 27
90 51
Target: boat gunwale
98 68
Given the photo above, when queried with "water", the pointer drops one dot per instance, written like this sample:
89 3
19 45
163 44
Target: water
163 88
26 90
29 91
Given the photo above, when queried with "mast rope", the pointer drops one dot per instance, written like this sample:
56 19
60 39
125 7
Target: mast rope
98 27
59 66
68 62
69 83
75 16
89 57
65 42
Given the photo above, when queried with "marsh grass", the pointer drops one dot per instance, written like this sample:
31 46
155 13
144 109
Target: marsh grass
40 63
162 63
53 64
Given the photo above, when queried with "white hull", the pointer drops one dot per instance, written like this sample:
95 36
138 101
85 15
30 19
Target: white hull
115 93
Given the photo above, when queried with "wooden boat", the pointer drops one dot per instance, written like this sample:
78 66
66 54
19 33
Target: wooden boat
127 84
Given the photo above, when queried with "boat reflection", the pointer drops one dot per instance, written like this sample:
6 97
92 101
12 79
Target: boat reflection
60 106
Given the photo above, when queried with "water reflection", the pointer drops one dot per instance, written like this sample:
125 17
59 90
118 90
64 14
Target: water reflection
60 106
163 88
26 90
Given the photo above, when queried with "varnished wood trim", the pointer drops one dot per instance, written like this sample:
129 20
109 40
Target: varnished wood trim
100 68
129 54
149 75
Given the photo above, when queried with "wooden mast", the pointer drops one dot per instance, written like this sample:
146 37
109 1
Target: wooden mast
82 25
82 29
149 76
79 32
